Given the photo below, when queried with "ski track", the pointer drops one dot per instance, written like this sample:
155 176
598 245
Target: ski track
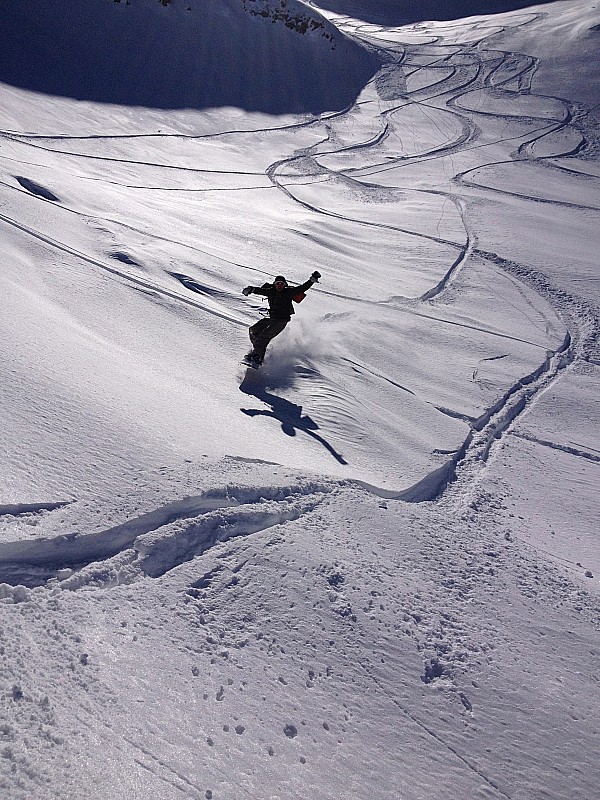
507 68
580 452
472 68
157 541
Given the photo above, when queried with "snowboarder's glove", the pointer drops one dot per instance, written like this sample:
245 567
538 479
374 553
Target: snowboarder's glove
248 290
315 276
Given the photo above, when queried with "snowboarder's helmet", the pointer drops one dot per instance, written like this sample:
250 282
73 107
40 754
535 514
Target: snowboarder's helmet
280 281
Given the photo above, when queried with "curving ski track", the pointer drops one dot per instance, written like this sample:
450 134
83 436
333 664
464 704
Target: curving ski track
468 68
510 76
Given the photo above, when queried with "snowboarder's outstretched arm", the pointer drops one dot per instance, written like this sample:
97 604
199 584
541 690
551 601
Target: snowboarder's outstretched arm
314 278
264 290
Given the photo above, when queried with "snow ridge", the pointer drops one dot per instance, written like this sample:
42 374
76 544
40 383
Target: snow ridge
159 540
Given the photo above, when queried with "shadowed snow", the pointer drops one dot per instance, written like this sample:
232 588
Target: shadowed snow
217 53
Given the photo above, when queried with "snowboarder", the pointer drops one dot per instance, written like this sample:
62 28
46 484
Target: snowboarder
279 295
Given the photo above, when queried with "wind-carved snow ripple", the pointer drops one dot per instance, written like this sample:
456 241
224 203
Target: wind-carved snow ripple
157 542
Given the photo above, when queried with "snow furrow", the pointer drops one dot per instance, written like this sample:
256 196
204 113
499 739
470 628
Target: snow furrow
35 562
18 509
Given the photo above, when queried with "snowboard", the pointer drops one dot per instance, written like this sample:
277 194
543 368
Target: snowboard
248 362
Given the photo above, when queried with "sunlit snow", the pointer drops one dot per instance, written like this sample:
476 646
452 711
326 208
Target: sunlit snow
369 570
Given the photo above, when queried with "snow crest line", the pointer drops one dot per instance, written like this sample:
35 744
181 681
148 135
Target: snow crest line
17 509
156 542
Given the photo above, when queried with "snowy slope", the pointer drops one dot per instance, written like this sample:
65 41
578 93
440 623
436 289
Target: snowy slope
369 570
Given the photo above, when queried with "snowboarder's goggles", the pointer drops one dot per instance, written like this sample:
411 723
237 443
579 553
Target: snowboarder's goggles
280 283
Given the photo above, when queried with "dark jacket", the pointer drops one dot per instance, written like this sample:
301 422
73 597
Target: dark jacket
280 303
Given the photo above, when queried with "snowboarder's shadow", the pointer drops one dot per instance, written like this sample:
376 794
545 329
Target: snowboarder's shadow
288 414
